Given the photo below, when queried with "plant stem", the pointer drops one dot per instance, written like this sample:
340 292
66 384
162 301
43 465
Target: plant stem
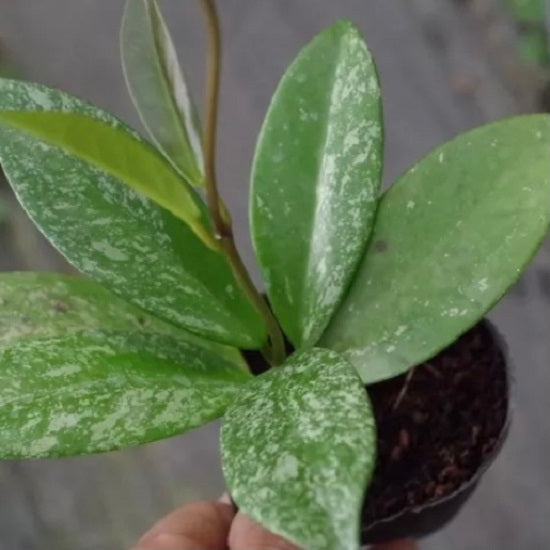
275 351
211 118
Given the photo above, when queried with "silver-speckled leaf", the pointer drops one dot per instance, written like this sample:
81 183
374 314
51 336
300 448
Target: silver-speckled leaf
316 179
38 305
99 391
157 87
451 236
114 235
298 449
118 154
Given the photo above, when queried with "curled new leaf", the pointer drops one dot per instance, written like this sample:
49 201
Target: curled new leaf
158 89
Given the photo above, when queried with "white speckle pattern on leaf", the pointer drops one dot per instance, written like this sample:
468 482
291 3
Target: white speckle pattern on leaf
438 267
302 437
103 390
38 305
119 237
316 179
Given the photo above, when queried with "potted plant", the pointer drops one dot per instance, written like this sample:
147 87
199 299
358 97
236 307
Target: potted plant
364 289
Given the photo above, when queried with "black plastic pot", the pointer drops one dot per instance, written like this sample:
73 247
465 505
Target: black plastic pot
417 522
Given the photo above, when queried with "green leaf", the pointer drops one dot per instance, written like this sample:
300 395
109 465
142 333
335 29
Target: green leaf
316 179
158 89
117 236
38 305
298 449
102 390
451 236
534 47
117 153
527 10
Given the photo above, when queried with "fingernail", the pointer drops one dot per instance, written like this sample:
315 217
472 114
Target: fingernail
225 498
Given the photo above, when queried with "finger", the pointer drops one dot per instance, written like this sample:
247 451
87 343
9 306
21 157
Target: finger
402 544
226 499
246 534
197 526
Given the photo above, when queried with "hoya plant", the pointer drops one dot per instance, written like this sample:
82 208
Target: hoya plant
361 285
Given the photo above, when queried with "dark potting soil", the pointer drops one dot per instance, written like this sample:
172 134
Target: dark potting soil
438 424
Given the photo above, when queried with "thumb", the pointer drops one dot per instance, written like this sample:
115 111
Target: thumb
200 525
246 534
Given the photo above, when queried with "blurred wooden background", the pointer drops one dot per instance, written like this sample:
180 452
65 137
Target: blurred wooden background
445 66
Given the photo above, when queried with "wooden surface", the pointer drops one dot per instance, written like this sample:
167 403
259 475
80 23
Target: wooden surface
443 69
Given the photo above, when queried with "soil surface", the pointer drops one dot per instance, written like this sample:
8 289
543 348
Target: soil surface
437 424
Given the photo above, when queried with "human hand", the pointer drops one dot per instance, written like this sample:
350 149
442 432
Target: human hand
216 526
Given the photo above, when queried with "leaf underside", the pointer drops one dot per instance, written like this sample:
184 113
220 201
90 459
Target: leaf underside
451 236
116 153
302 437
316 179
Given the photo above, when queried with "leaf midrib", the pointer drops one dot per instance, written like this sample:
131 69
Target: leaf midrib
306 277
